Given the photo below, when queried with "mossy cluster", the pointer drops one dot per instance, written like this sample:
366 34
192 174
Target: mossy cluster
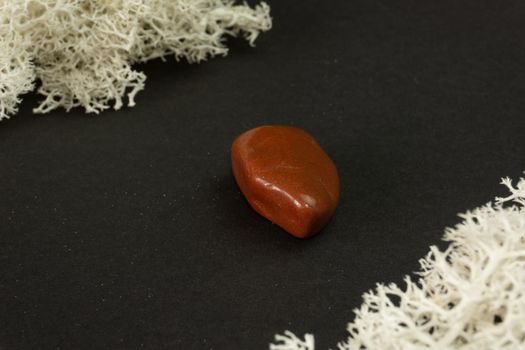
82 52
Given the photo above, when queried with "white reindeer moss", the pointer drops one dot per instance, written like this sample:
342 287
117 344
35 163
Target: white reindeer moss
470 296
81 52
290 341
16 71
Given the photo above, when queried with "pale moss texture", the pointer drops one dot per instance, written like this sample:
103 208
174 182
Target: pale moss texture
81 52
469 297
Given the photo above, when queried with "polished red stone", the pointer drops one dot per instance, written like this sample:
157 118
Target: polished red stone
286 177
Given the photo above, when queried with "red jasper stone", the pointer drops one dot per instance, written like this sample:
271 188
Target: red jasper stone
286 177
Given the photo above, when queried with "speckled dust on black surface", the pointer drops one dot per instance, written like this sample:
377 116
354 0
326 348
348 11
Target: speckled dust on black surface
127 231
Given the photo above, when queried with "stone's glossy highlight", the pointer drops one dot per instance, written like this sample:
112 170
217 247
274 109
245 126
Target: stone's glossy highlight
286 177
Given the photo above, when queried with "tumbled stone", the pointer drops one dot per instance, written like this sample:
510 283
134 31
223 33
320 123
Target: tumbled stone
286 177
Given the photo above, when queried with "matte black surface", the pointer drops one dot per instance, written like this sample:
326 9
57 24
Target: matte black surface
127 231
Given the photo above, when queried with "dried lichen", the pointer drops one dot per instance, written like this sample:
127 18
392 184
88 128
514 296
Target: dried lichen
470 296
16 71
82 51
289 341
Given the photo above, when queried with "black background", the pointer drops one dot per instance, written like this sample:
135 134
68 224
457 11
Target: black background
127 230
